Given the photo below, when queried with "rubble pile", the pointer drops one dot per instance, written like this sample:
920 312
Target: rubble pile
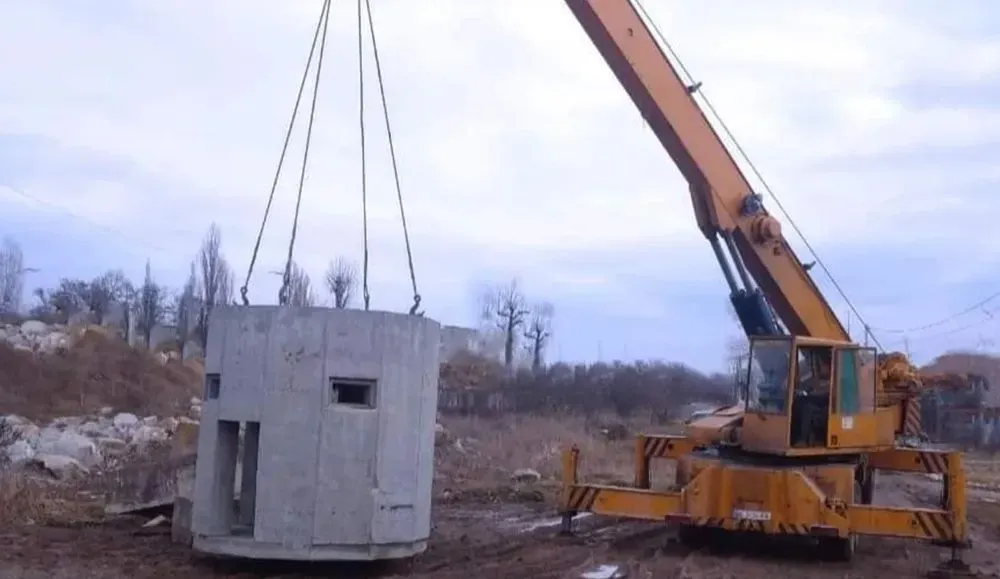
77 445
35 336
51 370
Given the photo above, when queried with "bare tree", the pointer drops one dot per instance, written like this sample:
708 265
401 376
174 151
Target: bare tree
737 356
216 281
106 290
300 291
341 280
538 332
186 308
505 307
150 305
227 284
11 276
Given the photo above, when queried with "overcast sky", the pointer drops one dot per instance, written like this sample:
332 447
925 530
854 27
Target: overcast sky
128 126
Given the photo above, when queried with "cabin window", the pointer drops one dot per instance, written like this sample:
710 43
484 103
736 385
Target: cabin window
848 388
767 376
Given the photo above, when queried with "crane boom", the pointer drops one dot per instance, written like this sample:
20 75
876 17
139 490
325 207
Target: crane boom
768 275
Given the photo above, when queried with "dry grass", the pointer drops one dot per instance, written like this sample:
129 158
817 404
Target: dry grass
95 371
481 454
28 499
982 471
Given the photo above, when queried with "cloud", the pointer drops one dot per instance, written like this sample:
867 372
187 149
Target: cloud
137 124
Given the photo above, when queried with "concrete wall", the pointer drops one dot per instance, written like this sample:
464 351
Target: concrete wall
333 479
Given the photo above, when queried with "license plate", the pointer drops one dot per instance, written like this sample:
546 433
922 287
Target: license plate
751 515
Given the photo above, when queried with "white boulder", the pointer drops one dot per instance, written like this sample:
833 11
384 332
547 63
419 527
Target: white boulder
69 444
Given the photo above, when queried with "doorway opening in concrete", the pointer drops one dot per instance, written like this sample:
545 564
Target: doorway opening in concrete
248 461
358 392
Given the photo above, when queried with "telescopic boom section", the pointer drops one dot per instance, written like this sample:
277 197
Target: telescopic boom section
728 212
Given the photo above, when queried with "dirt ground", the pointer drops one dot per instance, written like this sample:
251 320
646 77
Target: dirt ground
486 528
475 539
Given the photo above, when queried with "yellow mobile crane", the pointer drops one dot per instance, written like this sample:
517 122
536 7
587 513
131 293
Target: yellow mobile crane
819 413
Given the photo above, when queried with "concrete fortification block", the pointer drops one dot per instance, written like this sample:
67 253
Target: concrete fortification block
330 414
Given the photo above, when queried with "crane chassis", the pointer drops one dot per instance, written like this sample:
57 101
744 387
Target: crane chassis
819 415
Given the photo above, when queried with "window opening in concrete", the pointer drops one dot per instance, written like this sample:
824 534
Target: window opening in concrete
359 392
212 384
247 463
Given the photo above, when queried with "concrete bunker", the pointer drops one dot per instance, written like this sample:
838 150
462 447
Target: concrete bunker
323 419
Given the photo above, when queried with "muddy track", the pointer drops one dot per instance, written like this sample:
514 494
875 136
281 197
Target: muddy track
483 541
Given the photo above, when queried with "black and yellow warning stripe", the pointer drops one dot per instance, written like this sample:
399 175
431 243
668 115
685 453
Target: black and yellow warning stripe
792 529
581 498
912 423
933 462
934 526
665 446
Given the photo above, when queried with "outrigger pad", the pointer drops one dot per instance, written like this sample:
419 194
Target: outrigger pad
953 569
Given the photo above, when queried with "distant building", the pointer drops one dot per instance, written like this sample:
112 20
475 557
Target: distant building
455 339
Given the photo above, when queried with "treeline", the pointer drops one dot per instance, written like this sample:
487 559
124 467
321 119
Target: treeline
111 298
472 384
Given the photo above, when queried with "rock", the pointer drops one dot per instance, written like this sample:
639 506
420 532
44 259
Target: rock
169 424
59 466
64 422
70 444
526 475
14 420
18 452
34 328
52 342
146 434
605 572
28 433
156 521
92 429
125 422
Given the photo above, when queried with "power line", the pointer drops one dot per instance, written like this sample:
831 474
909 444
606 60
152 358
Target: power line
976 306
989 318
77 216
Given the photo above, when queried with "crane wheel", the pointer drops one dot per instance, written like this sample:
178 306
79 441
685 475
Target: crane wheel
841 548
693 536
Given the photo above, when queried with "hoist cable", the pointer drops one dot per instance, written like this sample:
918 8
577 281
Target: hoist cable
725 129
364 169
284 151
286 282
392 154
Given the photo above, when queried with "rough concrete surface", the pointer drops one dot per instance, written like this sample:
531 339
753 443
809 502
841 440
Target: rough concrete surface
331 413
